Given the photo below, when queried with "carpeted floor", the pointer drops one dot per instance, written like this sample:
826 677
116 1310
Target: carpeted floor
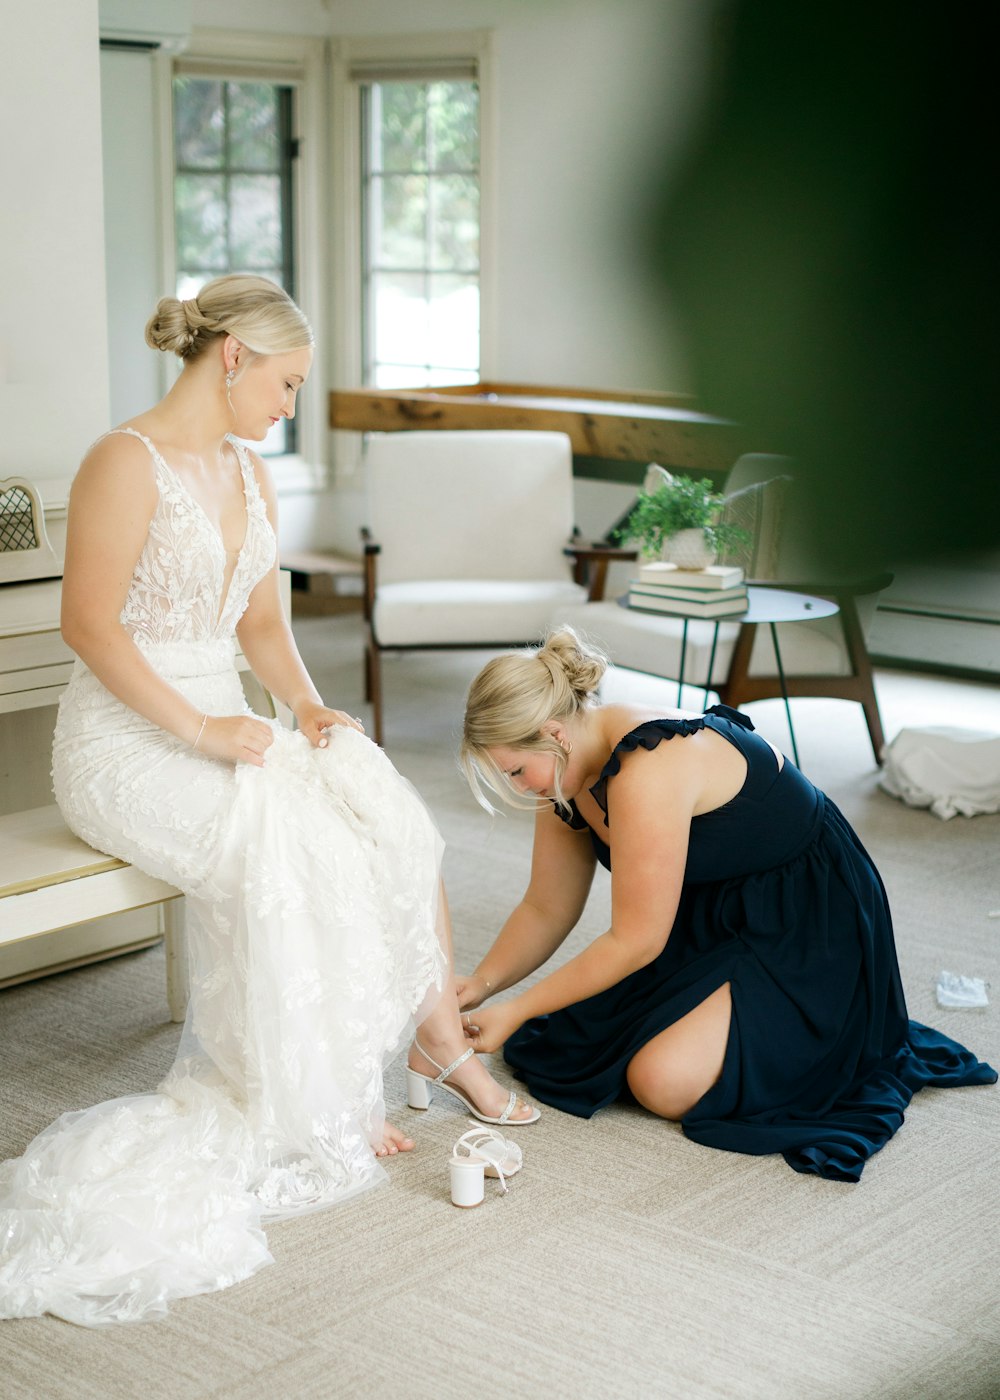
625 1260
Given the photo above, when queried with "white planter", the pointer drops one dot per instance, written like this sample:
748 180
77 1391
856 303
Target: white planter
688 549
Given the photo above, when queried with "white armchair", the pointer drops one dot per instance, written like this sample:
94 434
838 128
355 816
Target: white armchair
466 542
827 657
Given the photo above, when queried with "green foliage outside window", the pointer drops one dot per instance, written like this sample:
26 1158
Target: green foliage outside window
233 188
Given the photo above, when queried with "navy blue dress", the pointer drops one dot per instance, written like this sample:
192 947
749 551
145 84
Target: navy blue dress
782 901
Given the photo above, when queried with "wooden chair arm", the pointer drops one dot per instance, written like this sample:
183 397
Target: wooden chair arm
598 550
590 564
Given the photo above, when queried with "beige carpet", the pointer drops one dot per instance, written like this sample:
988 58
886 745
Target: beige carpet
625 1260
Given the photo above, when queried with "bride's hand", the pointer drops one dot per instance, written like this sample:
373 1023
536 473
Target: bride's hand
488 1028
471 990
314 720
236 739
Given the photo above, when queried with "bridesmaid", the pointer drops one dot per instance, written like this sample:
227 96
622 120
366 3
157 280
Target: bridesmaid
748 985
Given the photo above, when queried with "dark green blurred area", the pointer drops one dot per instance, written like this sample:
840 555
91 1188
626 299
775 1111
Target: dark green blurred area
828 249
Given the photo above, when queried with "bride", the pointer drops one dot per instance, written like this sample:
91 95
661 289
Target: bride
317 925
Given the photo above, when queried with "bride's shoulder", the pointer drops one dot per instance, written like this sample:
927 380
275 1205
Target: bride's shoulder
122 444
120 460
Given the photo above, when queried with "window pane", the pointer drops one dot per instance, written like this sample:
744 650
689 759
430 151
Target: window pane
407 377
255 221
454 230
198 123
253 126
443 377
399 221
453 322
399 139
232 189
427 321
189 284
401 317
453 126
421 247
200 206
401 377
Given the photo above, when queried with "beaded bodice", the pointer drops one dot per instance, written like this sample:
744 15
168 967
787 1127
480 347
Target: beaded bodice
184 589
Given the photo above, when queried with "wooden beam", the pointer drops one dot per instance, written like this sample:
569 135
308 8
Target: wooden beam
643 428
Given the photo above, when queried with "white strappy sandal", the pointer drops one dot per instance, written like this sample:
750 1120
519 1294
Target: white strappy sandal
502 1156
420 1087
478 1153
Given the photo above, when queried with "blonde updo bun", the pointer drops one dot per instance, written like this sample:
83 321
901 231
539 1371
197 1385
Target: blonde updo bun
576 670
515 696
259 313
174 325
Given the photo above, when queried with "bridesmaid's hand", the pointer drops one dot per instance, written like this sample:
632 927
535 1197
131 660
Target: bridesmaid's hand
488 1028
236 739
314 720
471 991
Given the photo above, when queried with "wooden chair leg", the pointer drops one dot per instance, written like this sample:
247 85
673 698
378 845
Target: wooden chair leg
731 691
176 946
862 667
373 672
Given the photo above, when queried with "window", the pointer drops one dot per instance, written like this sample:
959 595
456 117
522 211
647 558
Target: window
420 231
234 154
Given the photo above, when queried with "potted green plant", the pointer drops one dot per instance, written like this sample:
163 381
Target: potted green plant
678 518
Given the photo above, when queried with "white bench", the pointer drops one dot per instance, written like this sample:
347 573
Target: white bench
50 879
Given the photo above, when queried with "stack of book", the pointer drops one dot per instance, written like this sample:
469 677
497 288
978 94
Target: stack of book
718 591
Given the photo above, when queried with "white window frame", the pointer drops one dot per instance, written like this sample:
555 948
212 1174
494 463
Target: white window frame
396 51
297 61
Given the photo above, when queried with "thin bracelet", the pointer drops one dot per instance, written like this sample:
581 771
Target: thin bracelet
204 721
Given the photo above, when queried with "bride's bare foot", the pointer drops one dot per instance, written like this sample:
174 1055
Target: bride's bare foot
473 1078
393 1141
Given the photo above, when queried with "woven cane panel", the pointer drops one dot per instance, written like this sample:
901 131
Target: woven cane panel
17 524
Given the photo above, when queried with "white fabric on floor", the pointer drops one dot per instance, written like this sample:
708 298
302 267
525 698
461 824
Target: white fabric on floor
954 772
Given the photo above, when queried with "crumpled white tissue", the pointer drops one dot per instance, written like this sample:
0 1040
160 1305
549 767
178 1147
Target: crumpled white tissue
955 990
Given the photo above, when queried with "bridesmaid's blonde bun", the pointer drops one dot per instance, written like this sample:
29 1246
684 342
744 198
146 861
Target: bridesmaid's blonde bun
515 696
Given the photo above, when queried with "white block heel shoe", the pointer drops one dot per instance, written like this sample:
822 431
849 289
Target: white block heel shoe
479 1153
420 1087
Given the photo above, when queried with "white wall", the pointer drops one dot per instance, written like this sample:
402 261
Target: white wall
132 229
594 102
53 317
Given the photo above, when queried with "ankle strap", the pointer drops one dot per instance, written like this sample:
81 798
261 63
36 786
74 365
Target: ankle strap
451 1068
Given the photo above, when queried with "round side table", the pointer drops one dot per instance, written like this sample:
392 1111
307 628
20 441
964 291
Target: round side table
766 603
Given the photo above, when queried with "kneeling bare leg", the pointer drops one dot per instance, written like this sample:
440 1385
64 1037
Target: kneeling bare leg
678 1067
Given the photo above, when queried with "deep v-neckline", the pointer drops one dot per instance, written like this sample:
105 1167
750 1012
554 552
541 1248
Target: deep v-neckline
214 531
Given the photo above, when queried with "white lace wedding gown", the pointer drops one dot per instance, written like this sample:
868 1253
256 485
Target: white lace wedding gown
311 889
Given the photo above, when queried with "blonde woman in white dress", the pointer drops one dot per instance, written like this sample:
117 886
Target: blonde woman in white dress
317 927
